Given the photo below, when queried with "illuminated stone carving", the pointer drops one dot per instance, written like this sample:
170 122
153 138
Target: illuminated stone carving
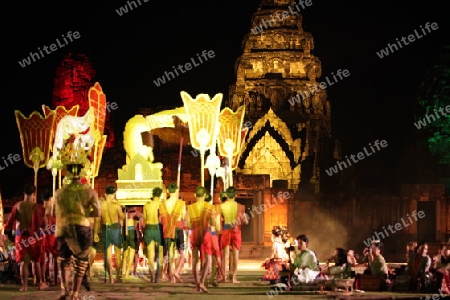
267 155
277 64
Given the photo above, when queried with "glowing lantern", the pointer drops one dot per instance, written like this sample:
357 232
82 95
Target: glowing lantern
36 133
203 115
230 136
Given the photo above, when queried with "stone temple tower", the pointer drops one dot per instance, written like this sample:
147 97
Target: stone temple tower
276 78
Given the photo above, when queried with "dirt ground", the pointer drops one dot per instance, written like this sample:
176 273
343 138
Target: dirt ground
139 287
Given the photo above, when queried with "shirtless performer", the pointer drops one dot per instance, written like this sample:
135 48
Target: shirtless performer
233 214
95 226
75 203
212 236
111 218
199 219
129 243
152 235
26 216
51 249
173 216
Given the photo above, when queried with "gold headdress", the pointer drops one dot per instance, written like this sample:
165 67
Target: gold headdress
74 157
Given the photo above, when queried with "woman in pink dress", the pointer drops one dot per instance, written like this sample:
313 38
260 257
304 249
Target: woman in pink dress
279 260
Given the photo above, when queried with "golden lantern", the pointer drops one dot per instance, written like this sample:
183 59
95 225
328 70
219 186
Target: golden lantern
230 137
36 134
97 102
203 113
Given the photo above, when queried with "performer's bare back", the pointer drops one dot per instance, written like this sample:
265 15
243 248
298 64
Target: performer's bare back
23 214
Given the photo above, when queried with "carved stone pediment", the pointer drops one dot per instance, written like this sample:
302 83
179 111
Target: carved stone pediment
277 64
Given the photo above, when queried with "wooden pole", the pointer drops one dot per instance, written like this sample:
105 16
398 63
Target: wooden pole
179 158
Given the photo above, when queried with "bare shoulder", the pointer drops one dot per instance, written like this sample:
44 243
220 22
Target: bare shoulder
93 192
17 205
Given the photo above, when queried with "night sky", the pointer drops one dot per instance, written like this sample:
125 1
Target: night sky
128 52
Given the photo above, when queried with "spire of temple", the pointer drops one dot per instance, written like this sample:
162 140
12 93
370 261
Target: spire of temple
276 79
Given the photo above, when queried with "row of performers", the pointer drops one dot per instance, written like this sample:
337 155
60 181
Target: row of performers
210 232
169 229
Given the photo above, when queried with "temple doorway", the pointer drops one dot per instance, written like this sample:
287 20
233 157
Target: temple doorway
247 230
426 227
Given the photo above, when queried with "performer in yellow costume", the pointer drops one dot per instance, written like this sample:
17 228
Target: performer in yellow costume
111 218
74 204
200 217
212 237
234 215
173 213
152 234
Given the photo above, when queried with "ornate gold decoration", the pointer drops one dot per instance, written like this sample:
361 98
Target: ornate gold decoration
97 102
230 136
74 154
203 121
60 112
230 129
268 157
36 132
140 175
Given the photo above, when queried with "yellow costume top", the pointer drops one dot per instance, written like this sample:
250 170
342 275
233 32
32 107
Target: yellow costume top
170 221
199 220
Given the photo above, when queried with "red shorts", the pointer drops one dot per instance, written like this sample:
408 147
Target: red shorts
206 246
196 238
50 244
210 245
232 237
28 244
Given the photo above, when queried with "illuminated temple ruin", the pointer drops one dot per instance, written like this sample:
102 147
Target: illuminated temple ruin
275 79
288 147
289 141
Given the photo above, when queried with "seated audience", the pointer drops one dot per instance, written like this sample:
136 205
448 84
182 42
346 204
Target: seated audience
410 250
305 265
441 267
377 262
341 268
352 260
419 268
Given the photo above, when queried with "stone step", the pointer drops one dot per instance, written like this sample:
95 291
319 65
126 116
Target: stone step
255 251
